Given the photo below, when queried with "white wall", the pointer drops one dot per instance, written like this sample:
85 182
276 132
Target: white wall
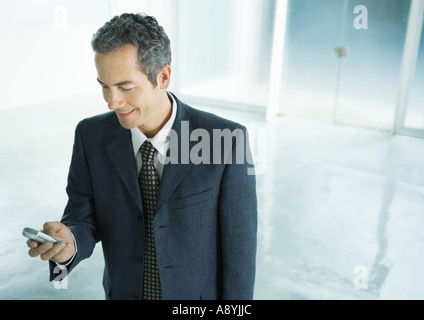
45 52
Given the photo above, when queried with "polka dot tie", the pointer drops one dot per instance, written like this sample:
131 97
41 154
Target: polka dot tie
149 184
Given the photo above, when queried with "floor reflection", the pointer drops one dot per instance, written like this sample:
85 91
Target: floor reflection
336 205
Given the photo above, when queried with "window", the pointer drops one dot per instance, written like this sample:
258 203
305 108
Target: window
225 49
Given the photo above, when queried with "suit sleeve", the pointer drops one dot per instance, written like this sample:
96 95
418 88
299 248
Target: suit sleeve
238 222
79 213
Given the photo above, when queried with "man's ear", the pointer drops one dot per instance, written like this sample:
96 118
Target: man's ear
164 77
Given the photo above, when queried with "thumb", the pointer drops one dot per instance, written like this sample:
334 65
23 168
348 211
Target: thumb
51 228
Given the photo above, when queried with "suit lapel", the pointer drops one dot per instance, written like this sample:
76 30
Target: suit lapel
174 173
122 156
121 153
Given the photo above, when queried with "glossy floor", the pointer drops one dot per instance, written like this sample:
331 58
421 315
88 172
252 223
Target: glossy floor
341 209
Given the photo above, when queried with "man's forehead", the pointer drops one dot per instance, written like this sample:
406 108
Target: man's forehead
118 67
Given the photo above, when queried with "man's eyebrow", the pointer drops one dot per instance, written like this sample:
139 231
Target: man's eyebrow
118 84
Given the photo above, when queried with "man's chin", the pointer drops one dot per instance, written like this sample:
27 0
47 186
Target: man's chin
127 124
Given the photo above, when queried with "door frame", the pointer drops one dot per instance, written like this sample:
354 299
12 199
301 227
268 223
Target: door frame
408 67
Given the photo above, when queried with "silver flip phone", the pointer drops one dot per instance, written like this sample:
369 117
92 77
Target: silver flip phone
37 235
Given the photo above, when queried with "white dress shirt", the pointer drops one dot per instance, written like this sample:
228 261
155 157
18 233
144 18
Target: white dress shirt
160 141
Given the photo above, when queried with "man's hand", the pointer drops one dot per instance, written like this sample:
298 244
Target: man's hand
60 252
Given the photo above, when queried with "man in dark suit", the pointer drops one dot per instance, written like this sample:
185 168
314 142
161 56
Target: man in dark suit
168 190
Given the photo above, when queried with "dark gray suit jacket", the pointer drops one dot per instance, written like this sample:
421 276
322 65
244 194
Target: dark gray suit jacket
206 218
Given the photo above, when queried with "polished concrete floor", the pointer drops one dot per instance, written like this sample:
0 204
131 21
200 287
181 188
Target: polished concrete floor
341 209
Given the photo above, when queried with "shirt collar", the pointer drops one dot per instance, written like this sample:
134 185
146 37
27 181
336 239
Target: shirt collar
160 140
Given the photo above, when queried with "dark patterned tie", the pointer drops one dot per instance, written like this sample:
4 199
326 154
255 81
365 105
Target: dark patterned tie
149 183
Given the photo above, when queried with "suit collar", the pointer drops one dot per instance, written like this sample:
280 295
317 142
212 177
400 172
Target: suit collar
173 173
121 153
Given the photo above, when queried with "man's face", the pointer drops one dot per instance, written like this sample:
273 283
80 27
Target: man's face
128 91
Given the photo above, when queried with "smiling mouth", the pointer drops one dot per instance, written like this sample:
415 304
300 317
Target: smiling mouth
126 115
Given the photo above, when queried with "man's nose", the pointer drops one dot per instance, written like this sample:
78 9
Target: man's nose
115 101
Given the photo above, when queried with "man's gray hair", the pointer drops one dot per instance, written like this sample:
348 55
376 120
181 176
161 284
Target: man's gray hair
142 31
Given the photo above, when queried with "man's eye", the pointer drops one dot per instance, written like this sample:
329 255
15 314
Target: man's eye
126 89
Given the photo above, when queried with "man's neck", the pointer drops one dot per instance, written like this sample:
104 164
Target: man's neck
167 103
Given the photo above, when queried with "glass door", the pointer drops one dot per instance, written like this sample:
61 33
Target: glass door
410 108
414 117
343 60
369 80
309 75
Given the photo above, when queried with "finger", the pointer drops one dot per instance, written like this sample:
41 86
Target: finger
33 253
32 243
40 249
51 228
54 250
